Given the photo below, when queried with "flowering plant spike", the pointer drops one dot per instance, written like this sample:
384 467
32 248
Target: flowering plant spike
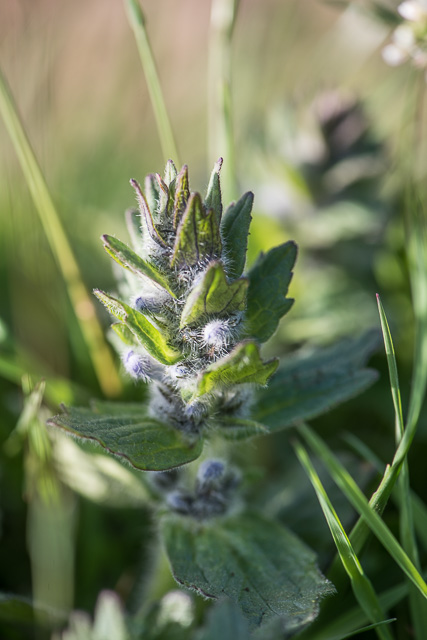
189 322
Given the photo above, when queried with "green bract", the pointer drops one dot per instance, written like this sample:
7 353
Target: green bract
187 320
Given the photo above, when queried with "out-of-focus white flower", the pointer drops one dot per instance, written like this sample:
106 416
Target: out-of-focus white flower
394 56
413 10
409 39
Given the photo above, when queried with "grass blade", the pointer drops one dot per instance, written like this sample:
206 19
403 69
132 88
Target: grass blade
363 629
361 585
82 303
220 129
351 619
417 258
419 509
137 23
392 369
356 497
417 603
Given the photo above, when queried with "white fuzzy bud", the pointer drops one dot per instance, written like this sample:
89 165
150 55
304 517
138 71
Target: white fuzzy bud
217 333
137 366
210 471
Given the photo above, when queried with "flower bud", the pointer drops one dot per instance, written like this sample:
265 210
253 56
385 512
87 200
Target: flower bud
138 367
217 334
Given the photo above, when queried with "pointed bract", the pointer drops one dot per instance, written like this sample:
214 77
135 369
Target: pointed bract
214 295
151 191
155 343
213 198
182 193
243 365
147 216
131 260
197 237
170 172
235 231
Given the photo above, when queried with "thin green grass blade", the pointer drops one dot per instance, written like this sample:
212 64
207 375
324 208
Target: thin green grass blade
352 619
392 369
356 632
361 585
81 301
419 508
350 489
417 258
220 119
418 605
137 23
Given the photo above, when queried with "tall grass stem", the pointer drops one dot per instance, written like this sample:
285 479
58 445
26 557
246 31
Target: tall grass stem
82 304
220 117
137 22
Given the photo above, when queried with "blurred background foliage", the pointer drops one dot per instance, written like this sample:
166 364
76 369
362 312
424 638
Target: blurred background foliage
325 135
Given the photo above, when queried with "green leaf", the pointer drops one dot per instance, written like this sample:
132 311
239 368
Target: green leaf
240 428
125 334
133 224
225 621
241 366
97 475
146 215
132 261
152 192
149 336
214 295
269 280
234 232
197 236
170 172
213 198
146 443
182 194
163 204
307 385
254 561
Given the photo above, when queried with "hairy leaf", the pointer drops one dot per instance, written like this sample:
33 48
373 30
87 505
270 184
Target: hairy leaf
225 621
197 236
125 334
269 280
170 172
147 215
307 385
213 198
149 336
214 295
182 194
241 366
235 231
240 428
132 261
163 205
254 561
133 224
151 189
145 442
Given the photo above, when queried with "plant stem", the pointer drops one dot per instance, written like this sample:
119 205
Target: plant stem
82 304
137 23
220 131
